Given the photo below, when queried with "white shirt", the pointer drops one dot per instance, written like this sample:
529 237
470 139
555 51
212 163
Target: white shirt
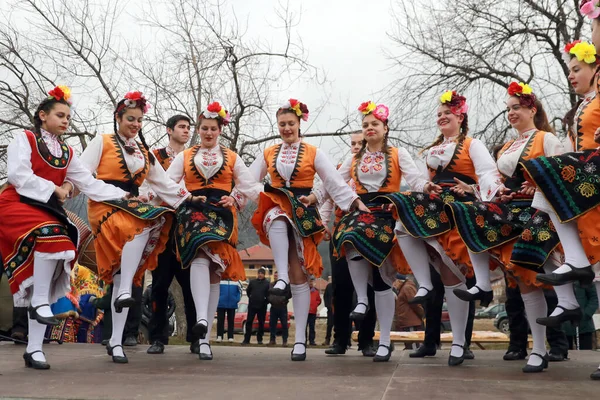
21 176
157 178
509 160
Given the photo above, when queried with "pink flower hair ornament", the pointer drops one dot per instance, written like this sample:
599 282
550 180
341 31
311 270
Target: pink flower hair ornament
457 103
379 111
590 8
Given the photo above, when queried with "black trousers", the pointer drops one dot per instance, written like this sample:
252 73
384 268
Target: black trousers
329 325
134 317
279 314
312 334
162 277
221 321
433 313
519 327
586 341
260 313
342 306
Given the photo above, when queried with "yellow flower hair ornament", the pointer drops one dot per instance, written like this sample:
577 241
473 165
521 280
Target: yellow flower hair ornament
456 102
60 92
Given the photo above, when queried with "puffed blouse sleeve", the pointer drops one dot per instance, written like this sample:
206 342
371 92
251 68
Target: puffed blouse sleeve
413 175
488 177
333 182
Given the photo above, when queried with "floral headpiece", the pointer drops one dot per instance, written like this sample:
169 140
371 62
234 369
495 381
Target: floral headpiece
135 100
523 92
216 111
379 111
60 93
456 102
584 51
590 8
298 107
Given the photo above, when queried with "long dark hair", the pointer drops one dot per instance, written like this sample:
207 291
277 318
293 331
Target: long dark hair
119 111
540 119
463 132
46 106
384 149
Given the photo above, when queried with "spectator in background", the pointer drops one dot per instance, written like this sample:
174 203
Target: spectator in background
279 312
257 291
407 317
328 299
315 301
229 297
588 301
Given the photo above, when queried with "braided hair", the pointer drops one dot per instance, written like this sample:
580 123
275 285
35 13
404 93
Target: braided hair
46 106
119 112
463 132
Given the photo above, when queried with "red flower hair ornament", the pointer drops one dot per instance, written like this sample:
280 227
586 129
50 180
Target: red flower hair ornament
135 100
523 92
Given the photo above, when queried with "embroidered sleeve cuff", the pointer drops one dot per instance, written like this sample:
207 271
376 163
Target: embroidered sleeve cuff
240 200
321 196
182 195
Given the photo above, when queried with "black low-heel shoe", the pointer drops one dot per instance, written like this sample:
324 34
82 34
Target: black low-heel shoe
484 297
390 349
299 357
205 356
31 363
116 359
584 275
536 368
454 361
595 375
357 316
120 304
422 299
33 314
574 316
335 350
199 330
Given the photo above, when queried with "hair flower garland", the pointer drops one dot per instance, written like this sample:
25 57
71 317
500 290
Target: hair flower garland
379 111
584 51
590 8
60 92
456 102
136 99
523 92
216 111
297 107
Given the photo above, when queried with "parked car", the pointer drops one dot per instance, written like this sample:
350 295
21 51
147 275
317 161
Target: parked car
446 327
491 311
241 315
501 322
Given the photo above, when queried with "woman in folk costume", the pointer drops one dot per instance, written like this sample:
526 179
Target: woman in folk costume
206 233
453 157
367 239
284 223
493 228
37 240
128 235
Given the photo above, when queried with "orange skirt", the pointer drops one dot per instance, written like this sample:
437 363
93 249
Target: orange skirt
456 249
113 228
514 272
589 233
234 267
313 264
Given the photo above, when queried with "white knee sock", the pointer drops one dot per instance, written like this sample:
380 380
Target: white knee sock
536 307
565 293
213 302
43 271
385 304
569 238
481 266
35 339
415 252
301 303
130 261
280 245
359 272
459 313
200 287
118 319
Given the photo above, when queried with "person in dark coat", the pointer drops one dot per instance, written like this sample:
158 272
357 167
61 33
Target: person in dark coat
230 293
257 292
328 300
279 313
588 301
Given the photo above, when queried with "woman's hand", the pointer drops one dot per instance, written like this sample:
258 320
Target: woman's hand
432 188
308 200
327 236
461 188
227 202
196 199
359 205
61 193
527 189
506 194
69 187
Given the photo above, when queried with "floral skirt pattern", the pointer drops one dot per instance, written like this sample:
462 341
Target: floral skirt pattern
536 243
570 182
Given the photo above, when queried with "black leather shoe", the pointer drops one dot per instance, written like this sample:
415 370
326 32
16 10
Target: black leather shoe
423 351
156 348
514 355
484 297
378 358
335 350
595 375
33 314
116 359
120 303
369 351
31 363
556 357
199 330
584 275
130 341
422 299
299 357
454 361
574 316
205 356
195 347
468 354
536 368
357 316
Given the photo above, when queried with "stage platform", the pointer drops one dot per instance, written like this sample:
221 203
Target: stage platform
84 371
